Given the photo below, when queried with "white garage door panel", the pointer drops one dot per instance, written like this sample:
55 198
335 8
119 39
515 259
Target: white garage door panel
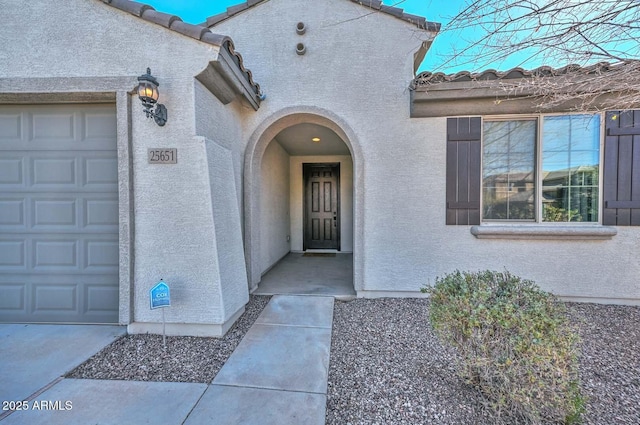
61 298
13 255
13 298
58 214
59 127
11 170
58 171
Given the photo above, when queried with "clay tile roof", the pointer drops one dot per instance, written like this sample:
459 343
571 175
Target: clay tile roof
377 5
174 23
430 78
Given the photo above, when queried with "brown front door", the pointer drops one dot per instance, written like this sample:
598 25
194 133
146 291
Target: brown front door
321 206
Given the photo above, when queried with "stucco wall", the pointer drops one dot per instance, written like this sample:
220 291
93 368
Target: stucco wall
346 199
77 42
358 64
359 68
228 234
222 138
274 204
596 269
220 124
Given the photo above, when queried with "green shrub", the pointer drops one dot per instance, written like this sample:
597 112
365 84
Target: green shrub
514 343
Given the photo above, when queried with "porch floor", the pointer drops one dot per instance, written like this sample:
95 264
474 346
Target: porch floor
297 274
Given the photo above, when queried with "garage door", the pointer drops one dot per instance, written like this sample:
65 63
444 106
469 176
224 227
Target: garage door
58 214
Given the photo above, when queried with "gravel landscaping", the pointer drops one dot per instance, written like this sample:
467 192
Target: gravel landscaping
387 367
186 359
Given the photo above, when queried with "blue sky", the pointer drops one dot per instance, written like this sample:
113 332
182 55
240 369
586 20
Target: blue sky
196 12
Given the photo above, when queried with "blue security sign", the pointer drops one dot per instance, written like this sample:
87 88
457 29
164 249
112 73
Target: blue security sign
160 295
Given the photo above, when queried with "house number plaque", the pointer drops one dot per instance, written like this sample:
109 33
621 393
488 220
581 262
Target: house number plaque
163 156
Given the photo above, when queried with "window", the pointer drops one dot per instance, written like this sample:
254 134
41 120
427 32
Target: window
508 170
541 169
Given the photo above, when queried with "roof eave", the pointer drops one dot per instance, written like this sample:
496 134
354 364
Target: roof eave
420 54
510 92
491 98
222 78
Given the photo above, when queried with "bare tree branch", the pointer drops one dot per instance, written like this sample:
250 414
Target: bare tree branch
556 32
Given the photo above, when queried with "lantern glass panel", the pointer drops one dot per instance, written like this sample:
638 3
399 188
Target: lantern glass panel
147 92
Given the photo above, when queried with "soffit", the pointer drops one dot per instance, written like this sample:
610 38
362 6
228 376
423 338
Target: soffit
296 140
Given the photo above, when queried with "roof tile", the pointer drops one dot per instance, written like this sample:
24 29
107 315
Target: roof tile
430 78
160 18
130 6
213 38
397 12
193 31
232 10
212 20
374 4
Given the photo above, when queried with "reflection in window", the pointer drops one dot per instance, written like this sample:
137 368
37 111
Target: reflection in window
508 191
570 167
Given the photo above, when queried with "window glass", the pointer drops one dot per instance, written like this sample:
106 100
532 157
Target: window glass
508 180
570 167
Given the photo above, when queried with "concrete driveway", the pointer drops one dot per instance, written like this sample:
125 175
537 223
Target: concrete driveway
34 356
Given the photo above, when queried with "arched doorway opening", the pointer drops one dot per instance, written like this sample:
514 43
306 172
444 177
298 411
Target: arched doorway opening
302 198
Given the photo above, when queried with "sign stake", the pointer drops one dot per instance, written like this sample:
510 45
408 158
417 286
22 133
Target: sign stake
164 336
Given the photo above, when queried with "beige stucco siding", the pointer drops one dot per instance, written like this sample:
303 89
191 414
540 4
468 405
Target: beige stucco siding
274 205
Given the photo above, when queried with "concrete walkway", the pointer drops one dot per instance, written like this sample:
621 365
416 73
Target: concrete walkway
277 375
300 274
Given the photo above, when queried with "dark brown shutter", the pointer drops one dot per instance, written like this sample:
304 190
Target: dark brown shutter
463 170
621 192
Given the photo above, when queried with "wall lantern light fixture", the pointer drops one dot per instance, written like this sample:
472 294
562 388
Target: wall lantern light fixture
148 94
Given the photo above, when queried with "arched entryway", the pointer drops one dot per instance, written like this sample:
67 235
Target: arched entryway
282 164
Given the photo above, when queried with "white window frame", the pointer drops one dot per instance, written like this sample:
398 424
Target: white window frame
538 170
